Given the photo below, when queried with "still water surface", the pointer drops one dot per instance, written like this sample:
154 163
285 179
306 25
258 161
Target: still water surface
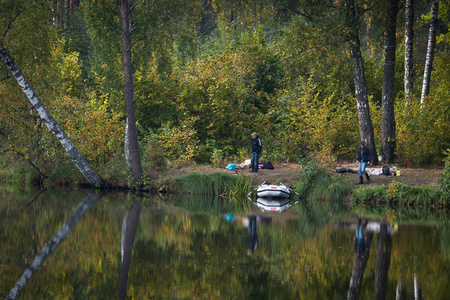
82 245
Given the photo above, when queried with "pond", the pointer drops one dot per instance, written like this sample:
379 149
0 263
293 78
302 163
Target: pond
84 245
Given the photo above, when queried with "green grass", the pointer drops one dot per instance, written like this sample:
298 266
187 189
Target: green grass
215 192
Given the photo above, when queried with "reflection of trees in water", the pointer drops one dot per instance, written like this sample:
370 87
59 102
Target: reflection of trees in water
203 256
51 245
128 233
383 261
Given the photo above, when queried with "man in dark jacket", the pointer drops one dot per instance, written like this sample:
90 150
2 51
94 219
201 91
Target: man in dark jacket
364 158
256 152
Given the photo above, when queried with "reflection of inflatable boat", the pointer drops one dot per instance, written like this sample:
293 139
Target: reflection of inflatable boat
273 204
273 191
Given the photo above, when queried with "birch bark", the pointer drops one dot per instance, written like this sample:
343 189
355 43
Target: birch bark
409 50
430 51
132 146
48 120
362 101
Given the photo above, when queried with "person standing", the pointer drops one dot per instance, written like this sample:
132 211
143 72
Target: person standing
364 158
256 152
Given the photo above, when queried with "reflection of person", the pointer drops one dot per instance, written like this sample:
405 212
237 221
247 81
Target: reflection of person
256 152
364 158
252 236
360 238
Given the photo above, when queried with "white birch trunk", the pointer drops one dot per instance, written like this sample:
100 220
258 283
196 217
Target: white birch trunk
127 146
48 120
409 50
430 51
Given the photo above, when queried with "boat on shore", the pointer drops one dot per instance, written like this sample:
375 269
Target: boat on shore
273 191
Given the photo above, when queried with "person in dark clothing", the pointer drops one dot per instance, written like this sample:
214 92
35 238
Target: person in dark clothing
256 152
364 158
252 235
360 239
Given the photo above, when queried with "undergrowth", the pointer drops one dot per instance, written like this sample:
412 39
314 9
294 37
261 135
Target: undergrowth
318 184
214 190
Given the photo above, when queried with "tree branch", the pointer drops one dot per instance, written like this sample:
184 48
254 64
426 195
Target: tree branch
10 24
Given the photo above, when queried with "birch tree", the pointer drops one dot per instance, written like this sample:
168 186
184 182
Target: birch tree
388 125
409 50
359 79
49 121
131 142
430 51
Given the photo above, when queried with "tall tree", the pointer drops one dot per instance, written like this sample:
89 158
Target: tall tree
409 49
131 141
430 51
49 121
359 79
388 135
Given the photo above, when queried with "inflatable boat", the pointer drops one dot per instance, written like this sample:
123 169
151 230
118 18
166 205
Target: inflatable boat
273 191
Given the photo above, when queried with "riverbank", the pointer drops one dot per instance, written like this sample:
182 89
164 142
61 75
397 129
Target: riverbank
289 174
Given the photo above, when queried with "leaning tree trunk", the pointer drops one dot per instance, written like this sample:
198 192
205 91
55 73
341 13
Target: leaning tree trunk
132 150
430 51
48 120
388 135
359 79
409 50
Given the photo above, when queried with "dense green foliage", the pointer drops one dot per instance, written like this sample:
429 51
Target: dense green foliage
206 75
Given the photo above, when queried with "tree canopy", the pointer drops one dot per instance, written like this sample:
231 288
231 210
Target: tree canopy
206 74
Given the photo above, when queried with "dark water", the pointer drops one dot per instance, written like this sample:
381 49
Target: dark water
82 245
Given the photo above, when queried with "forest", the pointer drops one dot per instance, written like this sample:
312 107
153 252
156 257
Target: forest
309 76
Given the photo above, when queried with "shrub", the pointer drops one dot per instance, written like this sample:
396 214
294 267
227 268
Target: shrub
403 194
445 180
317 184
154 156
375 194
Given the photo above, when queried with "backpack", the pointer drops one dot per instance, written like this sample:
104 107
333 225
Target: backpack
268 165
386 171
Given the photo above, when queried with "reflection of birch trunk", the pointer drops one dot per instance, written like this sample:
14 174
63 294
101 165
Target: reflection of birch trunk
400 292
51 245
383 262
128 233
359 265
417 290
